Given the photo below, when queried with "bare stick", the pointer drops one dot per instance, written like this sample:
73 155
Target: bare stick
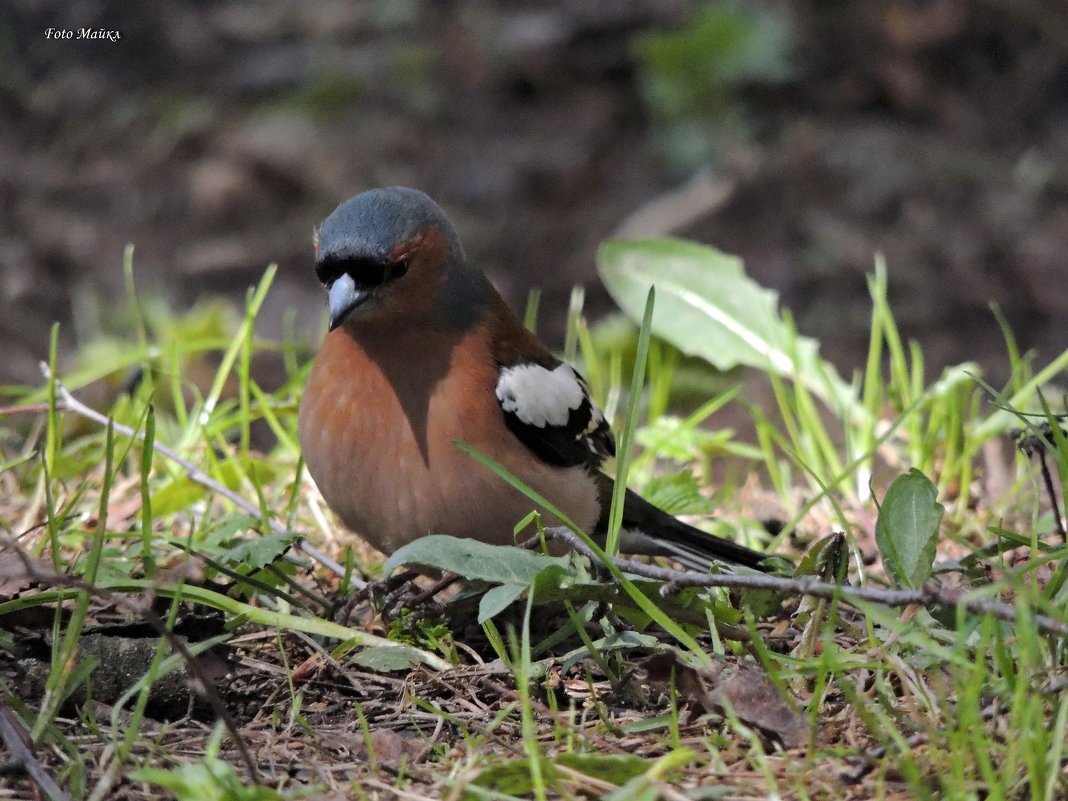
200 683
14 738
67 402
927 595
1052 495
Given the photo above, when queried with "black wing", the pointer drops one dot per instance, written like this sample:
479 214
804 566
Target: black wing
548 408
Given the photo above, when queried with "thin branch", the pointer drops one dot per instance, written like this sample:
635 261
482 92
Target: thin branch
33 408
1033 441
15 739
928 595
67 402
1048 479
142 608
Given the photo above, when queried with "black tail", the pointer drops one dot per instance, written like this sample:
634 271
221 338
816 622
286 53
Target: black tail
652 531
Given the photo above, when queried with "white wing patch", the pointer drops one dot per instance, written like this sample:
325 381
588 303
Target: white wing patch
538 396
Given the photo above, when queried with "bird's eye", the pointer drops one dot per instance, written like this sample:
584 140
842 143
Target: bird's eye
365 272
328 271
368 272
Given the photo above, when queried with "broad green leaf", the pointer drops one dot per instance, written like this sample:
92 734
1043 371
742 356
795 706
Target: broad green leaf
706 306
390 659
258 550
615 768
496 600
500 564
553 583
907 528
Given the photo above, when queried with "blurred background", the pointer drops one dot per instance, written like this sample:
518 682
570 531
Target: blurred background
805 136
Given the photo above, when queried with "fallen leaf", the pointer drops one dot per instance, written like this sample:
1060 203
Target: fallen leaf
743 688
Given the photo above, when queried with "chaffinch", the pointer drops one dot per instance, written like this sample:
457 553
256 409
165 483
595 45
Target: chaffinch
423 352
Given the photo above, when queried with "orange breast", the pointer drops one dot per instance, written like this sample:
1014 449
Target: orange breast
377 425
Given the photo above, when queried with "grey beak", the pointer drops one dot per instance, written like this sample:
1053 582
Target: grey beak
344 297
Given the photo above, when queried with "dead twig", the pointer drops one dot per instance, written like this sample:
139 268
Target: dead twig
68 403
1048 479
22 757
928 595
1032 443
200 683
370 591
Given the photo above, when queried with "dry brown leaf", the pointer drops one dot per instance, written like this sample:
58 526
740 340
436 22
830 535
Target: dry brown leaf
745 689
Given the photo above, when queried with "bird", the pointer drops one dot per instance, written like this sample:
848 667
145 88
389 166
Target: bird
421 353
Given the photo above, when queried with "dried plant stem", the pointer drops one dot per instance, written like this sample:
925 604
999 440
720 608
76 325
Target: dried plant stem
15 740
68 403
1048 479
141 608
927 595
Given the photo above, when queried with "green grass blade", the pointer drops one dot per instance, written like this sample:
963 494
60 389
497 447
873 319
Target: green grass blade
619 491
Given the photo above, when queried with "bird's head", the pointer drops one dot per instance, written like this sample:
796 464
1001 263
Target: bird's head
392 255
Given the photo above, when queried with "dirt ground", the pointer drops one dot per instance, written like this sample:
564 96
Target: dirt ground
214 136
